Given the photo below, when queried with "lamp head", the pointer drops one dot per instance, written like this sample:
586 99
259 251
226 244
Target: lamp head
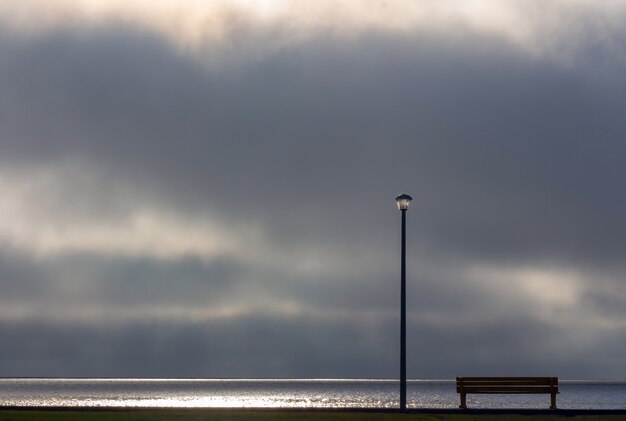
403 201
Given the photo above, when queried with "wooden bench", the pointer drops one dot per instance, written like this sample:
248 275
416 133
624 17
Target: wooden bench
507 385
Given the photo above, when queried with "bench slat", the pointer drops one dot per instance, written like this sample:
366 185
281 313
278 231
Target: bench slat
505 379
511 389
508 378
506 383
513 393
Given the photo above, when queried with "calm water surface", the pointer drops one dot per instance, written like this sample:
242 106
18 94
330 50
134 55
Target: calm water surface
289 393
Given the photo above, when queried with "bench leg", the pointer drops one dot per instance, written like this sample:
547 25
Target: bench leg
463 402
553 401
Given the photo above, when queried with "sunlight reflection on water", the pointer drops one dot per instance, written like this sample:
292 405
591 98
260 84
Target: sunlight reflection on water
285 394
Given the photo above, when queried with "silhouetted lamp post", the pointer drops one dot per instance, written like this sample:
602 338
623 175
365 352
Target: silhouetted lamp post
403 202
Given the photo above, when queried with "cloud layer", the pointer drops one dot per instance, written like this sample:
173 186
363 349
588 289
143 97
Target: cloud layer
173 187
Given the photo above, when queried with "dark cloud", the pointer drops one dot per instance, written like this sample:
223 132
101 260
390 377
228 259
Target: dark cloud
76 282
512 159
298 347
282 348
508 157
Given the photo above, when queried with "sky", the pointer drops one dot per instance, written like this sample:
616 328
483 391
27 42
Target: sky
205 188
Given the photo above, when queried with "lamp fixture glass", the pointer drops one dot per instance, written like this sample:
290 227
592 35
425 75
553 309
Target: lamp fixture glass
403 201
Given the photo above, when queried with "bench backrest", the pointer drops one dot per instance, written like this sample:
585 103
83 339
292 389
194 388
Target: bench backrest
520 384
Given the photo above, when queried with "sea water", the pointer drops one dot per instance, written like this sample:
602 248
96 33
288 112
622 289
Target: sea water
289 393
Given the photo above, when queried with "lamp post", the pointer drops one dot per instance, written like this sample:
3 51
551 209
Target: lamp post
403 202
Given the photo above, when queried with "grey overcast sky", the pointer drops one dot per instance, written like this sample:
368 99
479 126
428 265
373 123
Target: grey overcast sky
206 188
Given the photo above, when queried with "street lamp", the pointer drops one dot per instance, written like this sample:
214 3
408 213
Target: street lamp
403 202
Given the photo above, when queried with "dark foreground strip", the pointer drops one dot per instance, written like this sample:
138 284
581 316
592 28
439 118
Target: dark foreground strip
443 411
